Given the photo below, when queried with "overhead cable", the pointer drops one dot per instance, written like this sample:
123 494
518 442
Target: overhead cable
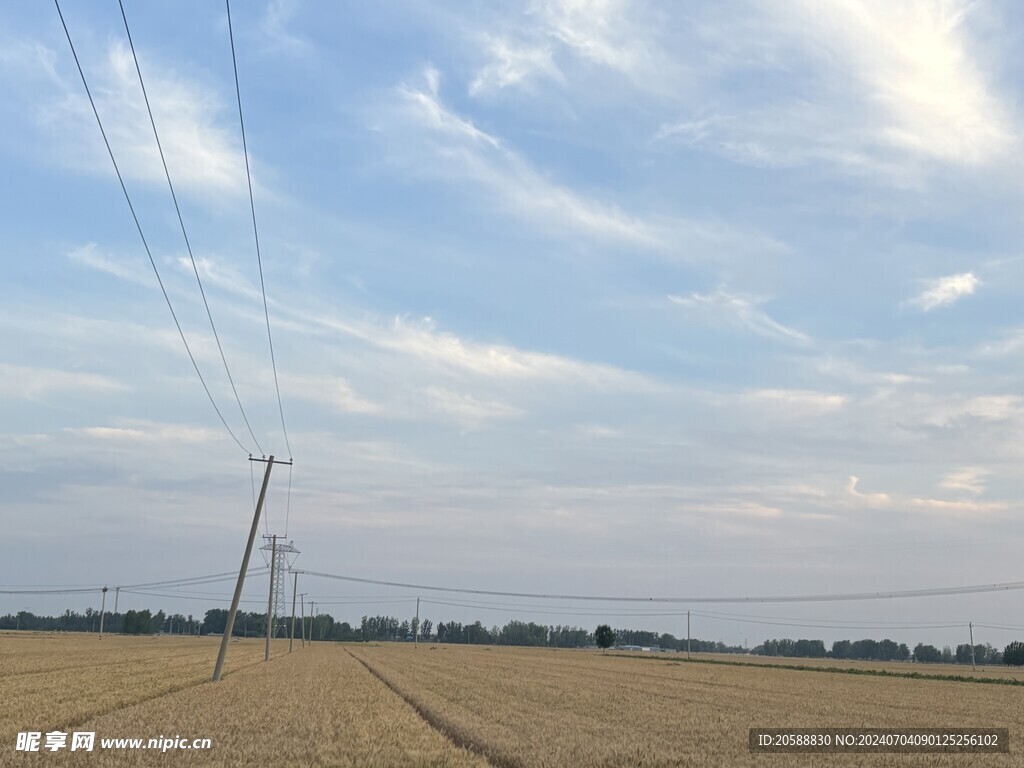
142 236
819 598
184 234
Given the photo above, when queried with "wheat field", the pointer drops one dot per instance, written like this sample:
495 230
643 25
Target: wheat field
372 706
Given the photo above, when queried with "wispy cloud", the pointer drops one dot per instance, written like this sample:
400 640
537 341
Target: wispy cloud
148 432
513 63
459 148
200 142
887 85
796 400
434 141
89 255
275 26
944 291
33 383
1009 343
742 312
969 479
446 350
470 411
333 391
907 503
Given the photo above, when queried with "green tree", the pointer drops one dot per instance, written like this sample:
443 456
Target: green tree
1013 654
604 636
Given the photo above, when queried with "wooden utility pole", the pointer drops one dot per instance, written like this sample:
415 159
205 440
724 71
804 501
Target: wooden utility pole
687 634
295 588
312 620
102 609
971 627
222 654
270 597
416 632
302 607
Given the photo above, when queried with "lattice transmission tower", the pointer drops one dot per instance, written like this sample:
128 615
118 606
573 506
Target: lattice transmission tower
283 555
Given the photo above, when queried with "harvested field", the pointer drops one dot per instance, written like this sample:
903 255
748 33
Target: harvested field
898 667
445 705
536 708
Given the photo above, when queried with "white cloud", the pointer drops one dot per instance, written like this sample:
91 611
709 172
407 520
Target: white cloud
432 140
968 479
203 153
796 400
742 312
901 503
513 64
89 255
149 433
943 291
333 391
468 410
885 86
33 383
947 411
274 25
462 149
1010 343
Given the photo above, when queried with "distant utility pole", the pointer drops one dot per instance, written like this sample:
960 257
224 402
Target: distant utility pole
312 620
270 597
302 607
971 627
117 594
222 654
687 634
295 588
102 609
416 634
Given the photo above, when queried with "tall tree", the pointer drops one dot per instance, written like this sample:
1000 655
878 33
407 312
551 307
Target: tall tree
604 636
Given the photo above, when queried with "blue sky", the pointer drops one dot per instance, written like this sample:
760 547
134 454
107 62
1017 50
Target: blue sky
567 296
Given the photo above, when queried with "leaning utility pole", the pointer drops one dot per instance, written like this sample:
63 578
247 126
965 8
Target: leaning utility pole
687 634
971 627
219 667
295 588
270 597
117 594
102 609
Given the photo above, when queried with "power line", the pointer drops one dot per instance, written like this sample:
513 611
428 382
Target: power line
83 590
822 598
642 614
288 502
830 625
184 234
874 624
255 230
186 597
192 580
142 236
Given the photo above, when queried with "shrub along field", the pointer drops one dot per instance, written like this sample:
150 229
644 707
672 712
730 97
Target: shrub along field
383 705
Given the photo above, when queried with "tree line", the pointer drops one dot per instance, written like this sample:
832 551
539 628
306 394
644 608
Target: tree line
889 650
129 622
521 633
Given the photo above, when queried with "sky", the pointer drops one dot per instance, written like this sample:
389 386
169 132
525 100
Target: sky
596 298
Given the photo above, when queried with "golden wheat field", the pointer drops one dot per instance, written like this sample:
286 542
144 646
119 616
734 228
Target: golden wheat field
443 705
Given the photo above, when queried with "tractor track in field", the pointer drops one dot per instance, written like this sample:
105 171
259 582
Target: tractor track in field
68 725
453 733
